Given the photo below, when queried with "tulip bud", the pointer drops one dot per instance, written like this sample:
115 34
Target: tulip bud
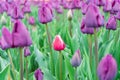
3 20
112 23
26 51
58 43
70 15
31 20
38 74
76 59
107 68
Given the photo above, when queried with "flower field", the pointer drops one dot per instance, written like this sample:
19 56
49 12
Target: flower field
60 40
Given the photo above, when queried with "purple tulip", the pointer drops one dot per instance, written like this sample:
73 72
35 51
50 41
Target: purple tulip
108 5
84 7
26 51
76 59
100 2
38 74
26 8
85 29
112 23
17 13
19 37
117 16
107 68
93 18
31 20
45 13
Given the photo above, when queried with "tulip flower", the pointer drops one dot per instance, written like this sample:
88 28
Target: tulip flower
112 23
84 7
19 37
16 13
45 13
76 59
93 18
26 7
26 51
58 43
107 68
117 16
38 74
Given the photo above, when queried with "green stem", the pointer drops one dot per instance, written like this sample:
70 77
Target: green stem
108 35
90 49
21 64
76 73
60 65
11 62
27 69
51 54
96 49
70 27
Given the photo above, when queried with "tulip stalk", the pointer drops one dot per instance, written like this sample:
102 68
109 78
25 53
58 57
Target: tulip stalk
90 48
60 65
27 69
51 55
70 27
108 35
96 48
75 73
11 62
21 64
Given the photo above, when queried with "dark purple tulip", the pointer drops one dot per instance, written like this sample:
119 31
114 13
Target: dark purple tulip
112 23
115 7
26 51
45 13
107 68
31 20
38 74
93 18
17 13
84 7
76 59
26 8
85 29
19 37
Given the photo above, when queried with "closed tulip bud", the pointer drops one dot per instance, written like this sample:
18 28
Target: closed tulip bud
108 5
70 14
58 43
31 20
76 59
107 68
38 74
85 29
93 18
45 13
26 51
112 23
84 7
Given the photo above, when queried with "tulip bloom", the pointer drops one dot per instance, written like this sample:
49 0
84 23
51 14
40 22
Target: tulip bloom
112 23
85 29
93 18
19 37
26 51
58 43
45 13
38 74
76 59
107 68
